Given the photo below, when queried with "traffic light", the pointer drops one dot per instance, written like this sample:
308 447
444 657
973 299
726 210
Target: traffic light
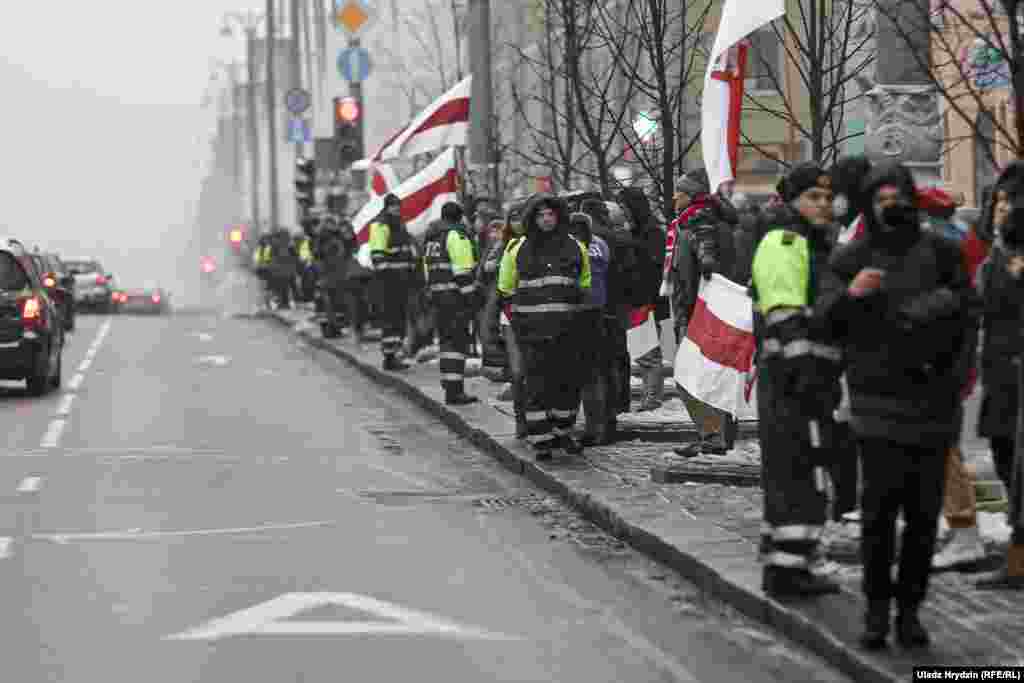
348 130
305 180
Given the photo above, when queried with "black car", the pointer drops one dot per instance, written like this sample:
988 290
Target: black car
153 300
59 284
31 327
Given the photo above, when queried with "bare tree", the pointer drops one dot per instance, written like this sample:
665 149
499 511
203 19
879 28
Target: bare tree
974 60
826 46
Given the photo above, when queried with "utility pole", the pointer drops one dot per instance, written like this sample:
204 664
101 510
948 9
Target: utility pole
481 128
236 127
254 130
355 90
272 113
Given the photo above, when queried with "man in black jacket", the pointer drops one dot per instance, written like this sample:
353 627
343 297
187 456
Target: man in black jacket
903 308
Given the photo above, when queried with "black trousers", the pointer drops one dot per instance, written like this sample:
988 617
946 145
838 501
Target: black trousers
844 471
908 478
597 372
552 380
1003 453
453 330
794 508
391 297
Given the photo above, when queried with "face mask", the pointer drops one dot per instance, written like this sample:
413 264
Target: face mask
901 215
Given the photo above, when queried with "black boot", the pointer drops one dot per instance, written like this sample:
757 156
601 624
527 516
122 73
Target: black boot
910 632
521 430
572 445
392 364
779 582
542 449
876 625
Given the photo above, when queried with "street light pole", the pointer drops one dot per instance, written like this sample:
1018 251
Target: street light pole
272 113
481 129
254 129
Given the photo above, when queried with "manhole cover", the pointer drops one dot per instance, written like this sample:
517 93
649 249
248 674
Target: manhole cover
495 503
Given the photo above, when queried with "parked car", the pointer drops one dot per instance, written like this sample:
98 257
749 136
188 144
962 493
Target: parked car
151 300
94 286
59 285
31 327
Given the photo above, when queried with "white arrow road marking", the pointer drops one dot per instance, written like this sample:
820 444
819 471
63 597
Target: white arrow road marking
203 336
5 547
140 535
76 381
64 408
53 433
217 361
269 618
30 484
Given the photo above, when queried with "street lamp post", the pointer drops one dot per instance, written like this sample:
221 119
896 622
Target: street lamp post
272 112
250 22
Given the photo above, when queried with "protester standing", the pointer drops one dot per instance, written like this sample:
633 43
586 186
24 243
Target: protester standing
391 249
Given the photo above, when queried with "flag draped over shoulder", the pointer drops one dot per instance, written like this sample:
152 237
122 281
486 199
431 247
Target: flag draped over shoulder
714 362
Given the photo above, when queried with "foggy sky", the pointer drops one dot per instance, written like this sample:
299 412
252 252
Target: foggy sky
102 128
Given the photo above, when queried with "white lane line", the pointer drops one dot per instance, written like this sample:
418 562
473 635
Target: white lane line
64 408
5 547
139 534
30 484
76 381
53 433
84 365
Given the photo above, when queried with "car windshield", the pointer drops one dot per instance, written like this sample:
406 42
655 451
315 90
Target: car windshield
81 267
12 277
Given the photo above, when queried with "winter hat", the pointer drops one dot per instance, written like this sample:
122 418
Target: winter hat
1011 181
802 178
582 226
694 182
451 212
392 200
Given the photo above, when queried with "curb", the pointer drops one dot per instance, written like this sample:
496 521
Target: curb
741 596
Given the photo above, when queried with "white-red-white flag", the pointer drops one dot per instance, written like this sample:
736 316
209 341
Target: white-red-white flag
642 335
714 362
422 197
383 180
444 123
723 84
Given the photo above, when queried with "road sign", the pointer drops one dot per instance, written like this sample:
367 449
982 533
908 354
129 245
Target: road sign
354 17
299 130
297 101
354 64
272 618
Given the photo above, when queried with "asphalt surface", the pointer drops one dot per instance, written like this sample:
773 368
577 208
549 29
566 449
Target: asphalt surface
208 499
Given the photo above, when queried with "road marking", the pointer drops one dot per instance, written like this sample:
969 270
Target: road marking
84 365
30 485
53 433
65 404
203 336
269 618
407 478
140 535
76 381
5 547
217 361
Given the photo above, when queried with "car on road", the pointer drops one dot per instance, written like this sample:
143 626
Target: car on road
31 327
59 285
94 287
149 300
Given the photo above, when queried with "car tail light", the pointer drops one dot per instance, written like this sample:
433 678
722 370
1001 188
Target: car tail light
101 280
31 311
156 298
49 282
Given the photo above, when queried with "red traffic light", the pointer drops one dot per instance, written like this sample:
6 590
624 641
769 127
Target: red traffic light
207 264
347 110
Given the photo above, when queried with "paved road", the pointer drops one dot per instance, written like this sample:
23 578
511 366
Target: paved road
210 500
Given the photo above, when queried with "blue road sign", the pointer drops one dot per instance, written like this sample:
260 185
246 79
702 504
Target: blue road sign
354 64
299 130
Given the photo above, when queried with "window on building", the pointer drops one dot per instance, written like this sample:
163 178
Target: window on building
764 60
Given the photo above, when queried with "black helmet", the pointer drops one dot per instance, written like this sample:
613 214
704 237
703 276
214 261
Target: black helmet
452 212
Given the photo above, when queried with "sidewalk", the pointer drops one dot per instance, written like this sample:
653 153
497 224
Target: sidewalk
708 531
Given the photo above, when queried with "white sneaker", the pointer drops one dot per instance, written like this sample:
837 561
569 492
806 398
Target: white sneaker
964 548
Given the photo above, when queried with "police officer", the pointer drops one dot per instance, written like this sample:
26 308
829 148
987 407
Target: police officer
545 277
393 255
306 248
449 261
798 381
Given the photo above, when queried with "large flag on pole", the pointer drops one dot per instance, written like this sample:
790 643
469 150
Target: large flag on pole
723 84
444 123
384 180
714 362
422 197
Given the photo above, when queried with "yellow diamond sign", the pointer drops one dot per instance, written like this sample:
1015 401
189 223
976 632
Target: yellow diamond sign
353 16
